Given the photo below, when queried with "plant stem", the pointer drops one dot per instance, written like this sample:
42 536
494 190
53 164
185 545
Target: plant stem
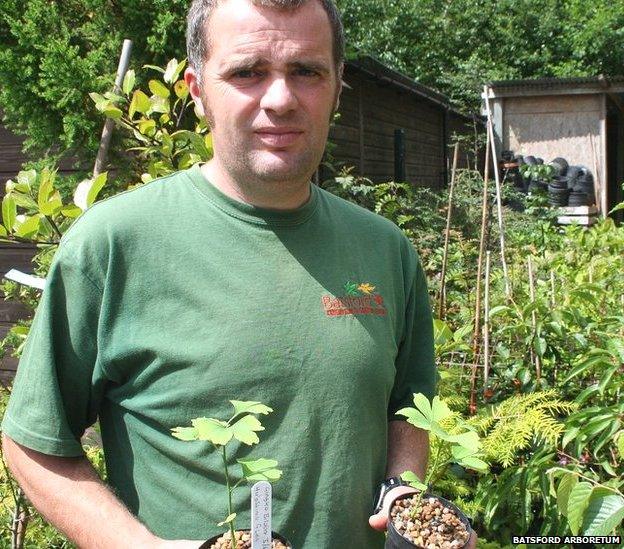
229 489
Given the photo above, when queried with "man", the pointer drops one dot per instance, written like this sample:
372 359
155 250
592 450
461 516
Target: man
239 280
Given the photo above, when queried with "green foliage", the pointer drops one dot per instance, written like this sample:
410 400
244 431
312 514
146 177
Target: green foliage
452 440
512 426
159 125
242 426
457 46
53 54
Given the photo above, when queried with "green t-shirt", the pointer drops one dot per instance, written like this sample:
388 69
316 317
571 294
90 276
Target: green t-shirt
167 301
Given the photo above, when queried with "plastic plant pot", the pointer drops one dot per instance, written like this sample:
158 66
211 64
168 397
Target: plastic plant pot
394 540
209 543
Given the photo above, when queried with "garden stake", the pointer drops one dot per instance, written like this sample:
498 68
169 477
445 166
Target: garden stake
447 233
19 522
490 129
472 406
107 132
486 325
538 365
484 218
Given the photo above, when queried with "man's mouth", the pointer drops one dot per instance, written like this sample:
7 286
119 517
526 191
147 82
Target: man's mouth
278 137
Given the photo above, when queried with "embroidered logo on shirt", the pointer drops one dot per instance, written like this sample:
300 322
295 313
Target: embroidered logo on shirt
360 299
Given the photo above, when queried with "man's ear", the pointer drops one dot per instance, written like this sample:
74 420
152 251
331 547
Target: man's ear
192 82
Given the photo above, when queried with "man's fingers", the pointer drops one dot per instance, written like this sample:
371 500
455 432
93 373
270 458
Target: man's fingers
379 521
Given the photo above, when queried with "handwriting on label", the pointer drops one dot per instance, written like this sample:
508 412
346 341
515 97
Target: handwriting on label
261 515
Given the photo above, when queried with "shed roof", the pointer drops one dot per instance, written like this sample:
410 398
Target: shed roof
557 86
374 68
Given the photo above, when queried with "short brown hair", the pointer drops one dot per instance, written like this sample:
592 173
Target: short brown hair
197 46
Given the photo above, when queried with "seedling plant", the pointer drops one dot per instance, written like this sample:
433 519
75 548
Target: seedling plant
242 426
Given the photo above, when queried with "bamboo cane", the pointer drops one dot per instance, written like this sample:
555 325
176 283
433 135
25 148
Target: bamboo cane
490 129
107 132
441 303
538 362
486 324
484 216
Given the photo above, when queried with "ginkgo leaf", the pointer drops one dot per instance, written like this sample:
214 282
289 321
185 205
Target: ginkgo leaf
413 480
250 407
185 433
212 430
244 430
260 469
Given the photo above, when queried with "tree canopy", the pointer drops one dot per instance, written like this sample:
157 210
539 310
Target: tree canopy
53 54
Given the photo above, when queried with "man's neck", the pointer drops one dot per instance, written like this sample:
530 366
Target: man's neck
270 195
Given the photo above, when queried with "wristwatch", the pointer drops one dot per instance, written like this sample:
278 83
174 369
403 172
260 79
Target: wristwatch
383 489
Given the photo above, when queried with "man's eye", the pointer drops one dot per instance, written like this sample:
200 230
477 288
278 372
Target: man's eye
302 71
246 73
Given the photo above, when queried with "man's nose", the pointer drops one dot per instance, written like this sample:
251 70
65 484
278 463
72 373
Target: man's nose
278 96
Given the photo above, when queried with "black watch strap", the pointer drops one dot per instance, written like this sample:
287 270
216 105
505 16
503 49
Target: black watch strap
383 489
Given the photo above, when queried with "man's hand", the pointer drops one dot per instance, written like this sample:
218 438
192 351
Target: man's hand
379 521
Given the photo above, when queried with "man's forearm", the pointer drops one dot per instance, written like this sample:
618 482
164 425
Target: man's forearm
71 496
408 449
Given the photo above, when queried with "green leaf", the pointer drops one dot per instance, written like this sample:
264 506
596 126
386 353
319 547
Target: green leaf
113 112
72 211
441 332
9 212
140 103
27 178
244 430
29 227
147 127
185 433
619 441
259 469
96 187
603 514
415 418
439 409
413 480
469 440
577 503
250 407
498 309
181 89
3 231
52 206
569 481
159 104
474 463
154 67
212 430
159 89
128 82
229 519
171 71
45 190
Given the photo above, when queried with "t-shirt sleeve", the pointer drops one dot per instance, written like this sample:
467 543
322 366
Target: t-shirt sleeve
415 362
59 385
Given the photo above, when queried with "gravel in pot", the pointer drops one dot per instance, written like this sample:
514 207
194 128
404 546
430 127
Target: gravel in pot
426 522
243 541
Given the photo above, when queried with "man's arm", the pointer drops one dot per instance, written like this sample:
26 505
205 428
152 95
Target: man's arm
70 495
408 450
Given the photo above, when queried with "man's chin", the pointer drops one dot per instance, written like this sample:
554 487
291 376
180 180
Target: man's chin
282 169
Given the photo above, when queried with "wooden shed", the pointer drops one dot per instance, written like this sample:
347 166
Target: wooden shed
386 117
579 119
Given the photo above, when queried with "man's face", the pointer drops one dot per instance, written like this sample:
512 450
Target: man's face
268 90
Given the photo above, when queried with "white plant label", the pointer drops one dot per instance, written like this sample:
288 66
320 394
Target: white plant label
25 279
261 515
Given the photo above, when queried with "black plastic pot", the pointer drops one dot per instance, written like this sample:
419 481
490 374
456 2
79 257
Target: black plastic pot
394 540
208 543
560 165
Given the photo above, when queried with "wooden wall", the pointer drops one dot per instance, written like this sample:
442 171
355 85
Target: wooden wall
371 111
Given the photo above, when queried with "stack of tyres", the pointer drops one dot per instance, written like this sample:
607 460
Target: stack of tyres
582 187
558 192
